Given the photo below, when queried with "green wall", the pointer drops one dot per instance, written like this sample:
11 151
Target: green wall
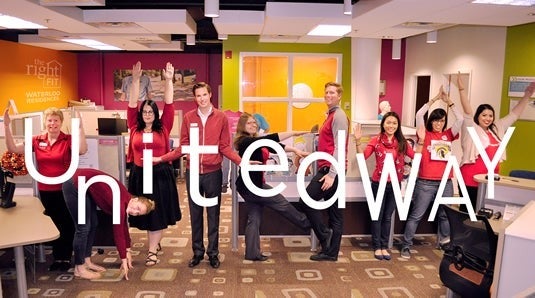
519 61
237 44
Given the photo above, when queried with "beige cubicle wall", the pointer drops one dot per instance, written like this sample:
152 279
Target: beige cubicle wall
90 115
513 272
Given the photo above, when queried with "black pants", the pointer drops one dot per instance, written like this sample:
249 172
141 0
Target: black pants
336 216
472 193
255 204
56 208
209 187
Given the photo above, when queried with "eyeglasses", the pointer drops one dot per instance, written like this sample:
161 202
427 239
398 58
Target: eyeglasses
147 113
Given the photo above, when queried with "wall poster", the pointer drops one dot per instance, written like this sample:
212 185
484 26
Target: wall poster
183 82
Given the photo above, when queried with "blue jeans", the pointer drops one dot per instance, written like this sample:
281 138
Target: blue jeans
381 226
425 192
84 235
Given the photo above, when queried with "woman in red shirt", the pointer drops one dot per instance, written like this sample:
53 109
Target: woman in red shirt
53 153
146 120
100 195
389 141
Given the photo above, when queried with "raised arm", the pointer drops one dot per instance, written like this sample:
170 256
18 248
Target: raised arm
464 98
519 108
168 74
357 133
134 88
83 142
289 134
10 142
456 127
420 132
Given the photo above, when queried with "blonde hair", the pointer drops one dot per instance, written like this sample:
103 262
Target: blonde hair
52 112
241 133
148 203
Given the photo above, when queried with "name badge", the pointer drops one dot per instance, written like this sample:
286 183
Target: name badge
43 144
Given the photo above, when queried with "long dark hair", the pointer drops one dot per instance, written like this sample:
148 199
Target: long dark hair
402 142
241 133
492 126
157 123
437 114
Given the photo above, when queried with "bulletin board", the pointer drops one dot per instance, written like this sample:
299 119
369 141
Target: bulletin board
517 85
529 111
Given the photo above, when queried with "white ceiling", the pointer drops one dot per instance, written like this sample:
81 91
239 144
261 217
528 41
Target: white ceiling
151 29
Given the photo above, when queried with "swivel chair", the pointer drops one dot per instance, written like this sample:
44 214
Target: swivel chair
522 174
467 266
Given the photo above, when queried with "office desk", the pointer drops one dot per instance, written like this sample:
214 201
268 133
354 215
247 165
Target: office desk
509 190
513 272
22 225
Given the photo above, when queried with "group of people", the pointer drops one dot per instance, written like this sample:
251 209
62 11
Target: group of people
153 210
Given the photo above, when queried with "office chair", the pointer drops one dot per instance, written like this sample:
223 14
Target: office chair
522 174
467 266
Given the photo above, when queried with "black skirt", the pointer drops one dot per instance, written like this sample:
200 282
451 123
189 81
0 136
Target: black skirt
164 194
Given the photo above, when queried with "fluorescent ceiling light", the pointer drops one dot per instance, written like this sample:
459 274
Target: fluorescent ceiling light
432 37
10 22
507 2
396 49
190 39
222 36
211 8
348 7
330 30
91 44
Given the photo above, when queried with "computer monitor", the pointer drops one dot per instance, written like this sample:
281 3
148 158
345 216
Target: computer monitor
111 126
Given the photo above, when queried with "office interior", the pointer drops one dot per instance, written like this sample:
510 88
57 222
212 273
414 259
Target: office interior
491 46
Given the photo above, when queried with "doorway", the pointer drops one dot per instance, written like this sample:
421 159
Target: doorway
423 86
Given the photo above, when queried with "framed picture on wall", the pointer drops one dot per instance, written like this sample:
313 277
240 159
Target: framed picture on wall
152 84
517 85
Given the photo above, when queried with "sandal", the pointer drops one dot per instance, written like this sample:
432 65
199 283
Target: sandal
152 259
158 248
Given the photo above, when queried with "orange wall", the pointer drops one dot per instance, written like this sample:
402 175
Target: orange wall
36 78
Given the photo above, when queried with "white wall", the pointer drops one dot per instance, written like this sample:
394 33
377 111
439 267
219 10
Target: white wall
478 50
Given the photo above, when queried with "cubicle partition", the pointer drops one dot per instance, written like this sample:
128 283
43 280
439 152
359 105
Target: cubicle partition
357 219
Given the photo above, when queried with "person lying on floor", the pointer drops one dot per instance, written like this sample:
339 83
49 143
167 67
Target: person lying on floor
100 195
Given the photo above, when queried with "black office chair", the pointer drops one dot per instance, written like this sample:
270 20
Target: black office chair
467 266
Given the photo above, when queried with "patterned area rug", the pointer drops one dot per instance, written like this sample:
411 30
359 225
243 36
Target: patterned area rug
287 273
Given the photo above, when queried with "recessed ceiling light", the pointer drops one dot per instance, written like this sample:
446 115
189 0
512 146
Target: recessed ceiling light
507 2
90 43
330 30
10 22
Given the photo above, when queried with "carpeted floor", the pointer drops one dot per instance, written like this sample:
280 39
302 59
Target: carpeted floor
287 273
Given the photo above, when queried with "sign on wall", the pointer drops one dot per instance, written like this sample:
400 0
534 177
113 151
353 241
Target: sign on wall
152 83
37 78
517 85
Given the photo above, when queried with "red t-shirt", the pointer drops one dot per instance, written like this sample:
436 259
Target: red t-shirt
435 154
160 141
469 170
52 160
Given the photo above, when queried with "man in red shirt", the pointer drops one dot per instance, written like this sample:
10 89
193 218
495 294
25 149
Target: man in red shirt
324 184
213 131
